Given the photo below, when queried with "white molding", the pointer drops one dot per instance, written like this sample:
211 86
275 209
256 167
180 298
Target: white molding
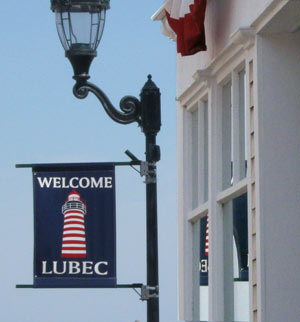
185 229
181 219
202 80
202 75
198 213
249 176
216 271
198 95
235 64
235 121
240 41
227 213
268 13
260 220
233 192
244 37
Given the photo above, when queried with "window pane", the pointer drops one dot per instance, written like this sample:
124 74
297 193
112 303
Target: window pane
240 232
240 246
236 259
226 136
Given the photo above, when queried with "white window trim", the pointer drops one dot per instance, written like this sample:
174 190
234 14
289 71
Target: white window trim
198 213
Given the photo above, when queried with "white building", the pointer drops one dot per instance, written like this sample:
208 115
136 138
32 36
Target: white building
239 137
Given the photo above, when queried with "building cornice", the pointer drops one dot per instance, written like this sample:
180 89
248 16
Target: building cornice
244 37
240 41
270 11
200 84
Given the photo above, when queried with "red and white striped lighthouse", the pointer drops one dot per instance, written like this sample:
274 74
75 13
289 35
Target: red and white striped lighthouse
73 241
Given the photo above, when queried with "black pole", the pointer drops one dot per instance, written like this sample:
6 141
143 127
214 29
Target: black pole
150 123
146 113
152 240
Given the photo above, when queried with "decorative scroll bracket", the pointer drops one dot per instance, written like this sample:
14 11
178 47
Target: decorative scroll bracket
130 105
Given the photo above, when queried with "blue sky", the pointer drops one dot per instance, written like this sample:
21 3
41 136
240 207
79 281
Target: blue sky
42 122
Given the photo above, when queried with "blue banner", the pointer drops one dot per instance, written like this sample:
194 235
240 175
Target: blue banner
74 225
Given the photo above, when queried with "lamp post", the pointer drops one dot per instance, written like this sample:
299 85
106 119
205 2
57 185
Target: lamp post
80 25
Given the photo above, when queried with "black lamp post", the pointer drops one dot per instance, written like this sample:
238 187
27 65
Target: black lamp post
80 25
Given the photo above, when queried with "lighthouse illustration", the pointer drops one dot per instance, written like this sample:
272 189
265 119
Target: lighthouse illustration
73 241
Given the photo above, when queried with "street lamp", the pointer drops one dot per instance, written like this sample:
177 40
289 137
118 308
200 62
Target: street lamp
80 25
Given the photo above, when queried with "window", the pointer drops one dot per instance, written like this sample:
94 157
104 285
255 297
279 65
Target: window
214 207
234 200
234 163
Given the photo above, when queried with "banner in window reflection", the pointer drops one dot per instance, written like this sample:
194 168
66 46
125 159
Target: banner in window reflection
240 233
204 250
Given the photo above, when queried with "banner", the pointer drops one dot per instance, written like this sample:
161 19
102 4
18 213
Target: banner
74 225
186 19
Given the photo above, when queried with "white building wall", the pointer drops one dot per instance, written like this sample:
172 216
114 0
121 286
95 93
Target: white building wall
278 62
261 34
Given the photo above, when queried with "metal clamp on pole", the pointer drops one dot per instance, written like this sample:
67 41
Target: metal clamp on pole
148 292
149 171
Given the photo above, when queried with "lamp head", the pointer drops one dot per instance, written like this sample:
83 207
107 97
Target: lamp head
80 24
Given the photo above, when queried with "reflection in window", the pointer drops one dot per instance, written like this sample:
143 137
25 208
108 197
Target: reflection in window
236 274
240 233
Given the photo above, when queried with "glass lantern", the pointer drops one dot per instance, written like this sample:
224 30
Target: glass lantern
80 25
